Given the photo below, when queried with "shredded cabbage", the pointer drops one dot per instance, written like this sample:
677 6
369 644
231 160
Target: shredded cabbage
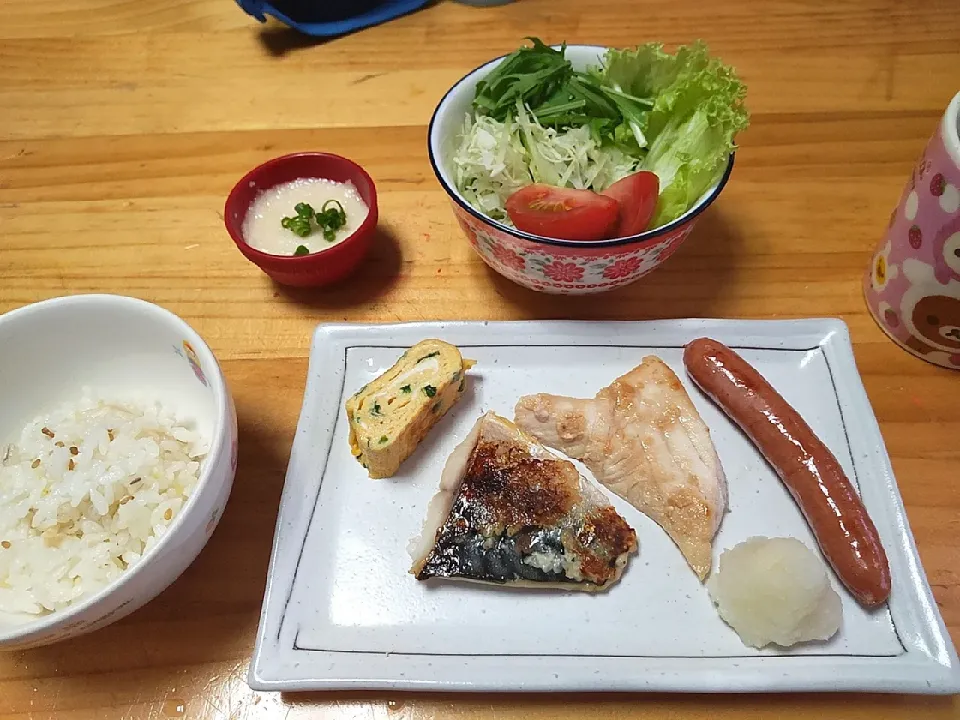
496 158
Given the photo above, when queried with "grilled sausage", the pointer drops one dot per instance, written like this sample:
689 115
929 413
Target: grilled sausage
827 498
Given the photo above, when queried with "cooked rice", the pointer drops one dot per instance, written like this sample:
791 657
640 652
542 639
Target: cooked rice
84 493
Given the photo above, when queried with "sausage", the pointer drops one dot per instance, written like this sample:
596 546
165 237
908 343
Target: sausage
812 474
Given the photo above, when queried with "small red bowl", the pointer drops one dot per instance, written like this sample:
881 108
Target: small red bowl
319 268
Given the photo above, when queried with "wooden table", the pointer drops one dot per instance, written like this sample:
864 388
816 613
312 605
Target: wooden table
124 123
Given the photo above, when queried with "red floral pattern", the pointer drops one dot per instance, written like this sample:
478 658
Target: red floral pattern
666 250
622 268
585 271
563 271
508 257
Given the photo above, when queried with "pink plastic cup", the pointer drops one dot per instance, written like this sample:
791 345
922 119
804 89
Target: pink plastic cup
912 287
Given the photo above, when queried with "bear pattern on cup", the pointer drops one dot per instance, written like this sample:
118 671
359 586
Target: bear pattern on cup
913 285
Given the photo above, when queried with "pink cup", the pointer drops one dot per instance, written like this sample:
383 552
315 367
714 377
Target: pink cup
913 285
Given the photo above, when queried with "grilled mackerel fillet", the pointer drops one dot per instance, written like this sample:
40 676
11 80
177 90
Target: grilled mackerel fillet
510 512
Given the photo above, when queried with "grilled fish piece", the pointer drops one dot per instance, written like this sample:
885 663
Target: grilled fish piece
391 415
643 439
510 512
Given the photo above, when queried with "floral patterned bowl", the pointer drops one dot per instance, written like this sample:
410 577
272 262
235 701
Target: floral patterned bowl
568 267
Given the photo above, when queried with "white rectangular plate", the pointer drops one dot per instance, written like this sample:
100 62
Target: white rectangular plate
342 611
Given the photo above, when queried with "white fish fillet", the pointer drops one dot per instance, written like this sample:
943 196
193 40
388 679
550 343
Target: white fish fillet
643 439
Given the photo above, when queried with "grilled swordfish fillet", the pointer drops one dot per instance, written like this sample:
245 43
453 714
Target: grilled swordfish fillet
510 512
643 439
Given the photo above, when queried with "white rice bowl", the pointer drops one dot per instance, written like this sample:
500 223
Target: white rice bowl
85 491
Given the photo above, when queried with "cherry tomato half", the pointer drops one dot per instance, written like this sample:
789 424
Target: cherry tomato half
563 213
637 195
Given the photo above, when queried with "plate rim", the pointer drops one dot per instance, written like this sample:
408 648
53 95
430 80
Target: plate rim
929 664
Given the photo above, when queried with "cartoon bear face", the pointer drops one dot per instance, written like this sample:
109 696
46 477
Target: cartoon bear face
931 310
946 252
937 320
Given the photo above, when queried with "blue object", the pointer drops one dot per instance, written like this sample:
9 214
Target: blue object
380 12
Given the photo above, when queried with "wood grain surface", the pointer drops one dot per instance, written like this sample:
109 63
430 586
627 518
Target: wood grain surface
124 123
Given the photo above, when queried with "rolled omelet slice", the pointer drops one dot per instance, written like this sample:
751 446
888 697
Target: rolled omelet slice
391 415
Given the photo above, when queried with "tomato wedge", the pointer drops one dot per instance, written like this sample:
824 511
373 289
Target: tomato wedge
637 195
563 213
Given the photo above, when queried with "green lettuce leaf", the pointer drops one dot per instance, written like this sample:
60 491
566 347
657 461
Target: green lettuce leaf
697 112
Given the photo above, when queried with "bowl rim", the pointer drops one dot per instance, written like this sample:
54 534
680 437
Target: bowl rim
38 627
646 236
290 263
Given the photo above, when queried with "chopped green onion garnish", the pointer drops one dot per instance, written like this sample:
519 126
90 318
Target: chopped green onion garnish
331 218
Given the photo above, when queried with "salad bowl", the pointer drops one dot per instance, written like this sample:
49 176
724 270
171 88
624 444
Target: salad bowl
567 267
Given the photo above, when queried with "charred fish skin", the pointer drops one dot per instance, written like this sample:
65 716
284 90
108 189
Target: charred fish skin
469 555
522 520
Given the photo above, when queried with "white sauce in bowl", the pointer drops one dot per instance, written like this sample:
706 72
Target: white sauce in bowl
262 228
